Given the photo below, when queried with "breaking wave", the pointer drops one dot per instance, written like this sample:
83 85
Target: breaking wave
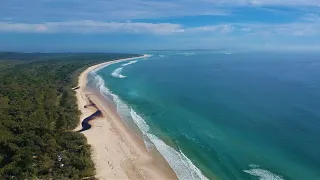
131 62
262 174
179 162
187 53
117 73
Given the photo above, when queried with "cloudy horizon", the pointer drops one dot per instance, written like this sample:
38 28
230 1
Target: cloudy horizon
110 25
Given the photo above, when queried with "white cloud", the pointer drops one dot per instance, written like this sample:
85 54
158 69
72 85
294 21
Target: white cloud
260 29
105 10
288 29
116 10
315 18
119 10
307 28
285 3
220 28
92 27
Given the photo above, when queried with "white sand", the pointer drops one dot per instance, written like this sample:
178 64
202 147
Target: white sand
118 153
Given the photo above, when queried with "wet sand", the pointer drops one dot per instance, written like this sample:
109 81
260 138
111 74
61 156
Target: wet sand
118 153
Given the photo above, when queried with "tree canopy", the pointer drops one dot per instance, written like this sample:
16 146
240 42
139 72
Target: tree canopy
38 112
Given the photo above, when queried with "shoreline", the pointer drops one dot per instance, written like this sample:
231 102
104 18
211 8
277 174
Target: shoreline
118 153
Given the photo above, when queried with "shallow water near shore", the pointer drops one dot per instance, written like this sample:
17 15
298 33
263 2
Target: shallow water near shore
223 115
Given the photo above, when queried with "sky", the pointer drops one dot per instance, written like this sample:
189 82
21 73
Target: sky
138 25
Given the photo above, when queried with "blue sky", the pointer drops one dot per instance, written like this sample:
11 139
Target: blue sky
134 25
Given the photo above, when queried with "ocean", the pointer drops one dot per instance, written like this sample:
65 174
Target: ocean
223 115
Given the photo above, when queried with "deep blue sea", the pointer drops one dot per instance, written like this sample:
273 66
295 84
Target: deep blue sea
223 115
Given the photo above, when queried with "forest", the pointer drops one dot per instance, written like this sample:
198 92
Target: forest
38 112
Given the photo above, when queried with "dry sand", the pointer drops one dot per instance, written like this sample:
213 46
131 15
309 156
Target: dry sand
117 152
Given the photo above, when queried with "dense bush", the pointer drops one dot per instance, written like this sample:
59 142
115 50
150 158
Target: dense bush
37 114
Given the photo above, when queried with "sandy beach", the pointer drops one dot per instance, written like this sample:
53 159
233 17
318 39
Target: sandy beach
117 152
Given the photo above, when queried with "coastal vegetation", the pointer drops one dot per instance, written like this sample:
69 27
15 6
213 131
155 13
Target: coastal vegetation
38 112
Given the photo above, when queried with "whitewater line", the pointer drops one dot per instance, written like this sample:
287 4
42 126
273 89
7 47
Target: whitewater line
177 160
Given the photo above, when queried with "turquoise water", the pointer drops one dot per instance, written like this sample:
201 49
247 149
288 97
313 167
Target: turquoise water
218 115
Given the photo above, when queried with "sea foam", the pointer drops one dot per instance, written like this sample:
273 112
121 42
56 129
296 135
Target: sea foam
179 162
262 174
131 62
187 53
143 126
100 85
181 165
117 73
